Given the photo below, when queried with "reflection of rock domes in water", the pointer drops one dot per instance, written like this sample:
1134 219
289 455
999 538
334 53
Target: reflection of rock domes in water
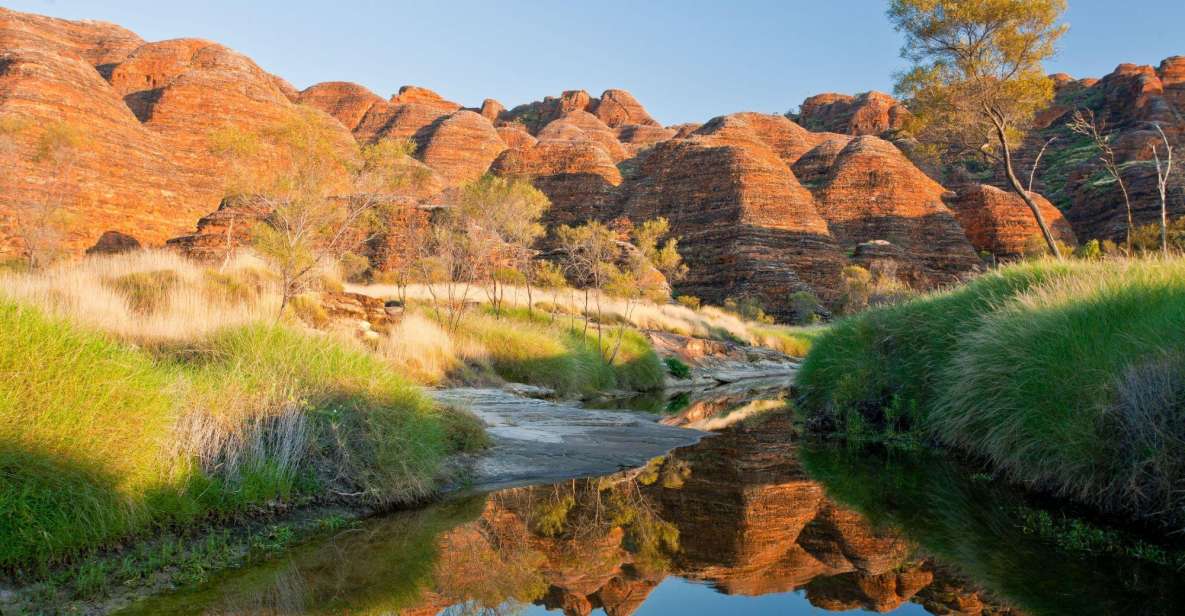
736 512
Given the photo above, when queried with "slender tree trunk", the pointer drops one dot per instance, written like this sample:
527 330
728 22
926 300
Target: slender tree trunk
1020 190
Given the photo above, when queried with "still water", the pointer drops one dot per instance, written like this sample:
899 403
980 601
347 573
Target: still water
749 521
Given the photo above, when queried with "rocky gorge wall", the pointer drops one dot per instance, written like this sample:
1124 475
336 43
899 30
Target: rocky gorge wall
763 206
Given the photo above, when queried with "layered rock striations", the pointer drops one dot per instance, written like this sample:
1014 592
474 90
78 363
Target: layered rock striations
873 192
870 113
764 207
1000 223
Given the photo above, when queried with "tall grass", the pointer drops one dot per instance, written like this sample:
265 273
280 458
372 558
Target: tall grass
527 348
706 322
1068 376
148 296
141 391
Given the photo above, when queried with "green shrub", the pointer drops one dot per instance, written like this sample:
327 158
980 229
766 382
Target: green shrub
690 301
677 368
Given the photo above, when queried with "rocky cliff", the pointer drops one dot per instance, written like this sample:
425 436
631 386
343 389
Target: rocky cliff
764 206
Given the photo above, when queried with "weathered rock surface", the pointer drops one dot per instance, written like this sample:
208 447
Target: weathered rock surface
460 147
120 175
1128 102
870 113
578 176
348 102
100 44
764 206
113 243
747 227
220 233
575 442
619 108
873 192
583 126
1000 222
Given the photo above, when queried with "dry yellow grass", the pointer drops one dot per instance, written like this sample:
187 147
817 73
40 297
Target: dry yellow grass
148 296
705 322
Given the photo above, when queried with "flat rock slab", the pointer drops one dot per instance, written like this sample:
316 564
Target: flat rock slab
539 441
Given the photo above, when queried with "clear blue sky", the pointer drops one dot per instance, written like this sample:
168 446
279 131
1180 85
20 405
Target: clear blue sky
685 60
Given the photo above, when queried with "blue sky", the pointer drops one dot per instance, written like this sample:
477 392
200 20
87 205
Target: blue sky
685 60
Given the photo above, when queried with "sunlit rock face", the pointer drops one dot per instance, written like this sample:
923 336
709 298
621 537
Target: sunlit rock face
1000 223
870 113
764 207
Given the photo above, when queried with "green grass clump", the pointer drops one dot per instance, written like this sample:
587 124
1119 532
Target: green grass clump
530 348
145 292
102 440
677 368
1067 375
794 341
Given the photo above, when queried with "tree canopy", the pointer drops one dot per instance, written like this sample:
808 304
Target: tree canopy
977 81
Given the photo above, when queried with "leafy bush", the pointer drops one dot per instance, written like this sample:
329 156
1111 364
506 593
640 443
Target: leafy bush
677 368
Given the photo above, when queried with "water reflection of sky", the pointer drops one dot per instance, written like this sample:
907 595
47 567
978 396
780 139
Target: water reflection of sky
679 596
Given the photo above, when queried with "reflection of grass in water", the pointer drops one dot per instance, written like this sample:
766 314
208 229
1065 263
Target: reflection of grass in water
981 527
383 567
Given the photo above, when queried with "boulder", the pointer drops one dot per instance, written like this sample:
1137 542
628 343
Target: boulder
113 243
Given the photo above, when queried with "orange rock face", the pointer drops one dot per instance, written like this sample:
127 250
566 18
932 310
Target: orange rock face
619 108
579 177
763 206
100 44
747 227
348 102
871 113
1000 222
873 192
583 126
121 176
460 147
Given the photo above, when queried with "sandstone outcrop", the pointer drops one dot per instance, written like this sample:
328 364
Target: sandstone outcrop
117 175
873 192
581 125
491 109
619 108
870 113
113 243
615 108
460 147
348 102
747 227
220 233
99 44
579 177
1000 223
